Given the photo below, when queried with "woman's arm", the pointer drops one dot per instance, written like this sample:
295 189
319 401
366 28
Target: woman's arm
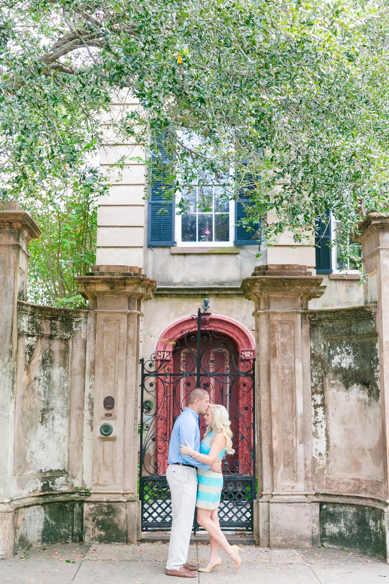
217 445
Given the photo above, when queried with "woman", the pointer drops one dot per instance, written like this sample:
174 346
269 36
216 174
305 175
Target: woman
216 443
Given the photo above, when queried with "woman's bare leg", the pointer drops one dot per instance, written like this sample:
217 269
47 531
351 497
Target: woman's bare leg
214 545
204 519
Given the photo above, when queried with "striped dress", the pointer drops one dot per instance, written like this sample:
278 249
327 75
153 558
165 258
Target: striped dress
210 483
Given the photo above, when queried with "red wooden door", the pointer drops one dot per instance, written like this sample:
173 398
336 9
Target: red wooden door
219 359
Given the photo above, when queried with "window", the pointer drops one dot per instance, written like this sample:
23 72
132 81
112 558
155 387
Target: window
328 256
355 251
208 219
323 234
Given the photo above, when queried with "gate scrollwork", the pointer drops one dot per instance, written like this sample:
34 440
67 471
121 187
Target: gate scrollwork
201 357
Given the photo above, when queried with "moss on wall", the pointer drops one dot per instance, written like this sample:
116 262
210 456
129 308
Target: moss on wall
62 522
51 523
353 527
106 522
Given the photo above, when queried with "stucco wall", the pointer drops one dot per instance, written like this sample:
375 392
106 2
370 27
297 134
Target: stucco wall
347 419
53 411
341 292
348 438
166 308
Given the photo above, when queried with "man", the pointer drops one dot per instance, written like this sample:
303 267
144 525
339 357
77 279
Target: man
181 475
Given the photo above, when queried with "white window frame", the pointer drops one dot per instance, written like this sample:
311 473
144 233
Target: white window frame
178 221
231 230
334 251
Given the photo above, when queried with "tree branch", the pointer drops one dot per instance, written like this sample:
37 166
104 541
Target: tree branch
71 42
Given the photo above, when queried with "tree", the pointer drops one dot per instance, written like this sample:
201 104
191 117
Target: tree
291 94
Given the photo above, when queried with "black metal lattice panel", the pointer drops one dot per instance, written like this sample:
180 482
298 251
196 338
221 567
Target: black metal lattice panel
156 503
235 510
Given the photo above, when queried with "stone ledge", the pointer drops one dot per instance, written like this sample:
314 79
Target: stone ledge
282 271
198 291
324 314
340 276
55 312
200 537
113 270
204 250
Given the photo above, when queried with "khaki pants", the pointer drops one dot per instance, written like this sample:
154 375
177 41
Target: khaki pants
183 487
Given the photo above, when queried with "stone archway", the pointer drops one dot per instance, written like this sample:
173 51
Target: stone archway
217 354
239 350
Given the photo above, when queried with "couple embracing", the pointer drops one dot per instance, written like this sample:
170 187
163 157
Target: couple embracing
195 480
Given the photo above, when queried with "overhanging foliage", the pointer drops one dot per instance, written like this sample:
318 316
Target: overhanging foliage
296 91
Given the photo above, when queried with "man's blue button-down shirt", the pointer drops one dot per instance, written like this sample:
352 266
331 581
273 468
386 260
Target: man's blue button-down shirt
186 429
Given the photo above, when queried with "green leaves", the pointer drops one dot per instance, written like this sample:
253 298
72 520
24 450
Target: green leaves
297 90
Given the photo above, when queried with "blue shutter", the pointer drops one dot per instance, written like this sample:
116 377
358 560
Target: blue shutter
161 209
250 235
323 250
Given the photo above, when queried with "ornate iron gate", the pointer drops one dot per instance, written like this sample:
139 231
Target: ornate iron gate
202 357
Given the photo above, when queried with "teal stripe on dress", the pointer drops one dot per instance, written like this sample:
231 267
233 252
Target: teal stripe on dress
210 483
208 497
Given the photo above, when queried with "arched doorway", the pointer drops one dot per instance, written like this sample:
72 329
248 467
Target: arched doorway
217 354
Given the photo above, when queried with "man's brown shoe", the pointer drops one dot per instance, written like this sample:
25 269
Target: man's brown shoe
181 573
191 567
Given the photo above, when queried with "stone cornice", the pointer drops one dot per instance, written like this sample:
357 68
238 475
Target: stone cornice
115 280
282 281
378 221
19 220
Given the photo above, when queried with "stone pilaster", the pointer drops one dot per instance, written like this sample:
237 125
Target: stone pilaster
16 230
375 258
285 514
115 293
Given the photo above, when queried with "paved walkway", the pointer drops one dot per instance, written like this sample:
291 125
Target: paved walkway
145 563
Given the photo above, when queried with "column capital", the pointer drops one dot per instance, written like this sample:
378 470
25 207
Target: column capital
373 222
282 287
374 237
115 281
14 217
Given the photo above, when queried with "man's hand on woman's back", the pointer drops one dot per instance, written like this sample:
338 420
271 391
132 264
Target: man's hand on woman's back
216 466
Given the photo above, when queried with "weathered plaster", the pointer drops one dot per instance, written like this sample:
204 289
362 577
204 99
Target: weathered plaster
287 513
353 526
348 443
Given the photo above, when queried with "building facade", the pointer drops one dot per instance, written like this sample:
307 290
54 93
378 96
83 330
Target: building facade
295 349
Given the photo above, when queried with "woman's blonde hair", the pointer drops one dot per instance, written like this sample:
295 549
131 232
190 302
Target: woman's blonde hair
221 423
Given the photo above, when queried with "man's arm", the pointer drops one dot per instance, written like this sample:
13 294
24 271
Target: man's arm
218 443
187 434
217 466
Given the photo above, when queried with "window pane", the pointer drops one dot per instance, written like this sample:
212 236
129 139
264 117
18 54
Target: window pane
205 199
205 228
340 263
189 196
222 204
222 223
188 228
356 253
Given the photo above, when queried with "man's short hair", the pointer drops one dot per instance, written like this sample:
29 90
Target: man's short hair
197 393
